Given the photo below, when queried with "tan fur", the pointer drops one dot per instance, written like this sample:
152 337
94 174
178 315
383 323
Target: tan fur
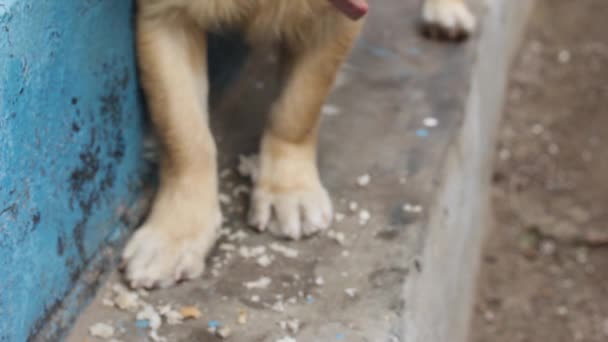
288 195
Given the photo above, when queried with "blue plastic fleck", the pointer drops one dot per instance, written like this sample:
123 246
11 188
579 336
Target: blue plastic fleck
310 299
213 324
142 323
422 133
340 336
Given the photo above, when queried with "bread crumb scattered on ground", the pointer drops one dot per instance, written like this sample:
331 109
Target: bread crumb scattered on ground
430 122
249 166
190 312
261 283
364 180
351 292
284 250
243 317
364 217
101 330
330 110
287 339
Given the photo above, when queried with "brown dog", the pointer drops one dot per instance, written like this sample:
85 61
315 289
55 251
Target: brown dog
316 36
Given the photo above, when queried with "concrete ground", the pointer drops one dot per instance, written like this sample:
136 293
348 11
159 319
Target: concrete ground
419 118
544 271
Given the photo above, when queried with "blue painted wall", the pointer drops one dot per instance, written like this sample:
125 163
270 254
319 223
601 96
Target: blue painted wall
70 130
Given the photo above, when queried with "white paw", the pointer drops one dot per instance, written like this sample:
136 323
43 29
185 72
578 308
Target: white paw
451 19
155 258
291 214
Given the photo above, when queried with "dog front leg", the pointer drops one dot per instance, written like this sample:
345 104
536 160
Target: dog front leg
172 243
288 197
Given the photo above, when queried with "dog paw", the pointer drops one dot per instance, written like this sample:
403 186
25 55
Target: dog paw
448 20
291 214
173 243
155 259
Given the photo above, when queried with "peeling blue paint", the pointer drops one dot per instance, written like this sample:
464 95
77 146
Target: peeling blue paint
71 128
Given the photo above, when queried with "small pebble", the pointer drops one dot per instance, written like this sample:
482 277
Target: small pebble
225 173
553 149
248 166
548 247
537 129
504 154
224 199
564 56
353 206
582 255
339 237
223 332
587 156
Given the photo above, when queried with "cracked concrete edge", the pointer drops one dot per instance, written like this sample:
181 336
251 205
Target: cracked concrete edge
439 300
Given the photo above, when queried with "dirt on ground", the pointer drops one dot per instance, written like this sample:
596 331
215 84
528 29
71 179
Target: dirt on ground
544 272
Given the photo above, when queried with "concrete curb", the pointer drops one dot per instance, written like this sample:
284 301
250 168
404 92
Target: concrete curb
441 297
